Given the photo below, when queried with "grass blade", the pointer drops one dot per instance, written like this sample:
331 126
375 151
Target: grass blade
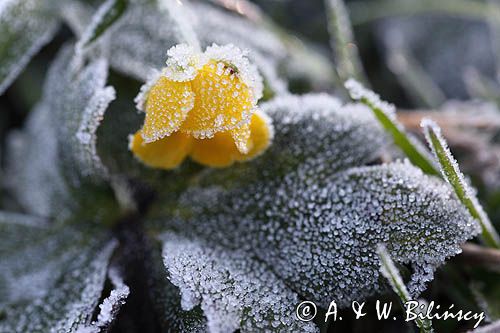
391 273
452 174
348 62
385 114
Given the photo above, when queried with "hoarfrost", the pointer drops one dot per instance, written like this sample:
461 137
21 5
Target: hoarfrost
110 305
60 270
39 185
235 291
78 99
26 27
312 217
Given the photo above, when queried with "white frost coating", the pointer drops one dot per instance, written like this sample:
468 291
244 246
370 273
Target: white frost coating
429 125
96 20
32 155
111 305
183 63
319 233
78 98
28 30
91 119
67 299
358 93
182 18
234 291
140 99
246 71
138 42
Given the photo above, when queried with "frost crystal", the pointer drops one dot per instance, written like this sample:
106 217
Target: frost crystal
358 93
235 292
183 63
50 278
78 99
39 186
247 72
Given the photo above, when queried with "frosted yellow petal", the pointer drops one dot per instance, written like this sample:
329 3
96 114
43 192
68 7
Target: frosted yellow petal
222 151
222 101
166 153
261 135
241 137
167 106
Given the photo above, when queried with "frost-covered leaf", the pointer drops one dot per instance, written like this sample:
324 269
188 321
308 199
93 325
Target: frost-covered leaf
32 156
25 26
110 306
235 291
78 98
167 300
109 12
307 231
56 153
51 278
314 220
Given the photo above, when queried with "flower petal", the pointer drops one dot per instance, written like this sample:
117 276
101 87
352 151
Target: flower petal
241 137
261 135
218 152
166 153
167 106
222 101
222 150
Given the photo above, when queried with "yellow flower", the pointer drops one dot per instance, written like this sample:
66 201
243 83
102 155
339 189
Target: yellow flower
203 106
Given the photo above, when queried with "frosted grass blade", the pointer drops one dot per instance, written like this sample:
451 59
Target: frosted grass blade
385 114
452 174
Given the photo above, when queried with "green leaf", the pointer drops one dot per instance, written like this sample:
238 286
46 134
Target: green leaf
107 14
385 114
391 273
51 277
452 174
64 173
25 27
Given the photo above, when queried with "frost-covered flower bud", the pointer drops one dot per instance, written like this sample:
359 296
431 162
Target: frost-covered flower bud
203 106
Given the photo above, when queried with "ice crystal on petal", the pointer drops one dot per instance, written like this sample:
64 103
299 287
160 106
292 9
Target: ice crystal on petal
247 72
183 63
235 292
